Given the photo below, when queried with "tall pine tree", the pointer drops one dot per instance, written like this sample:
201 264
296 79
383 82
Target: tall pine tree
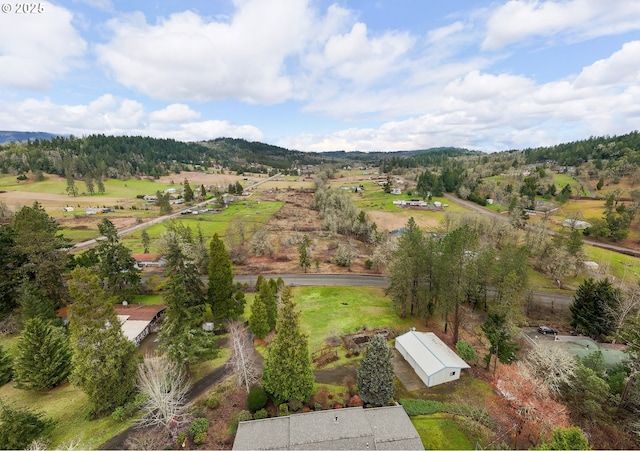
103 360
375 373
182 335
43 359
287 368
220 291
40 245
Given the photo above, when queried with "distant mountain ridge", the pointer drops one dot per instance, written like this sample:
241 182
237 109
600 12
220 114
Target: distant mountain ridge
7 136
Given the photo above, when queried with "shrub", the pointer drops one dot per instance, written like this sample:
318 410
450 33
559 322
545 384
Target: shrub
283 410
317 406
368 263
421 406
260 414
212 402
200 438
466 351
199 425
295 405
119 414
256 399
182 438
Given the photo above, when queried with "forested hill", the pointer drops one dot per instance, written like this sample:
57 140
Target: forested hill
240 150
100 156
623 147
9 136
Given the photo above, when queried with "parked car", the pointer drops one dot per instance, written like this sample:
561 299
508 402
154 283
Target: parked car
544 330
186 212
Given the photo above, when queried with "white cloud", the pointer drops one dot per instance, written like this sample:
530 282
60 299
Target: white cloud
188 57
116 116
623 67
518 20
176 112
357 57
37 48
480 110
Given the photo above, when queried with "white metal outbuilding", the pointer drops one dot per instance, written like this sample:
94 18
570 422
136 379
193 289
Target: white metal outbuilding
432 360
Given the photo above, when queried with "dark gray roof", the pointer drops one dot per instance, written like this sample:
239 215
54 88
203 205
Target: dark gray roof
352 428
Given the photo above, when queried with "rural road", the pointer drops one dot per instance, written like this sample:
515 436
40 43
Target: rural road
365 280
479 209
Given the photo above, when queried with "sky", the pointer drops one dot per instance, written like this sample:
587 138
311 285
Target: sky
324 75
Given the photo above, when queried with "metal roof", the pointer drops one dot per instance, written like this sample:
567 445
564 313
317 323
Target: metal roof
429 352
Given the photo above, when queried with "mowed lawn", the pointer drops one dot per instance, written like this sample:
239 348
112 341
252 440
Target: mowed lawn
439 431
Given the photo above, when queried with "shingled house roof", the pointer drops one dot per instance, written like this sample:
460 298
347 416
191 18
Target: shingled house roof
352 428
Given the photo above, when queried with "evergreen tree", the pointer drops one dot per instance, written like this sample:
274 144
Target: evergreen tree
162 201
11 260
455 269
258 320
239 188
220 291
20 427
72 189
100 185
375 373
409 272
593 306
187 192
6 366
287 368
34 305
304 254
120 276
496 330
231 189
146 241
182 335
103 360
40 249
271 301
43 356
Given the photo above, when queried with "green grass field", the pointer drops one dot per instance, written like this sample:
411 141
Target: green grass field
53 184
251 215
333 311
439 431
69 407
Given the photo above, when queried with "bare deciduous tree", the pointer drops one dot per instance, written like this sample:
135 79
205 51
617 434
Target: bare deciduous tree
552 365
166 386
242 362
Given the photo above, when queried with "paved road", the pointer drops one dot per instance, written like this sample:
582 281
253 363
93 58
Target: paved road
354 280
365 280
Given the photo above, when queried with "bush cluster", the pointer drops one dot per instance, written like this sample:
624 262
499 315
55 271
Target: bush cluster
256 399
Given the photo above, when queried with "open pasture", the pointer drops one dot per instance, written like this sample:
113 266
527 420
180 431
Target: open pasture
250 215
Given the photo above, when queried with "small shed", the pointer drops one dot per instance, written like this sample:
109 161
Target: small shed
432 360
576 224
